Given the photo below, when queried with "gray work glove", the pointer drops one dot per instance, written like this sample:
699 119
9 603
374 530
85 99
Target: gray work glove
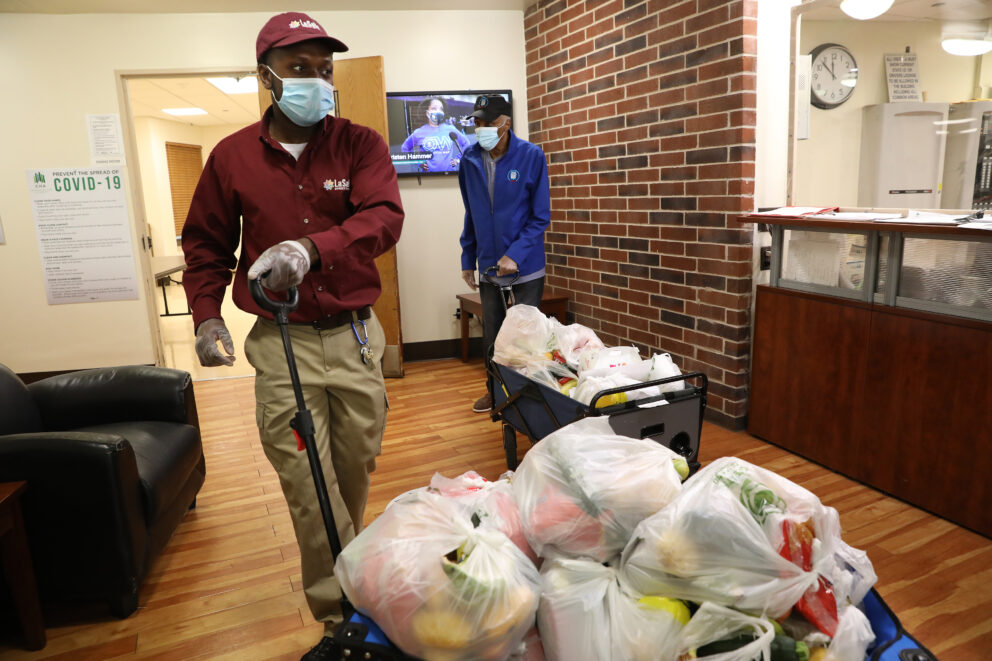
286 263
208 335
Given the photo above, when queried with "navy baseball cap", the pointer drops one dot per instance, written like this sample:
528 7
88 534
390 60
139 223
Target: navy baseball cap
491 106
291 28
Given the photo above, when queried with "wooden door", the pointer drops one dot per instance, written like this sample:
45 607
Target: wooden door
360 87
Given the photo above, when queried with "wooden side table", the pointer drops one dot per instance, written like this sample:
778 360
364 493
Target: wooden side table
17 568
552 303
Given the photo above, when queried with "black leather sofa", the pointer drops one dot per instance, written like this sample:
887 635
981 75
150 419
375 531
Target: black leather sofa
113 461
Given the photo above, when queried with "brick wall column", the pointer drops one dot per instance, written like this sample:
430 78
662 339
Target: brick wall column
646 111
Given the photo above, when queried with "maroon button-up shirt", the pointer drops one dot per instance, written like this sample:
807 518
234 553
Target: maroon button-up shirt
341 193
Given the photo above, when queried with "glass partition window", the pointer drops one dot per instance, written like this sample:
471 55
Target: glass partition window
951 272
828 259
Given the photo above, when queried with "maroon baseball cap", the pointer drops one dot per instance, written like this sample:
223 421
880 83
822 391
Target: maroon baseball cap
291 28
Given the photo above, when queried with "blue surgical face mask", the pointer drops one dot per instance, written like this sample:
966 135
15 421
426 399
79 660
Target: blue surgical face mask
488 136
305 101
435 116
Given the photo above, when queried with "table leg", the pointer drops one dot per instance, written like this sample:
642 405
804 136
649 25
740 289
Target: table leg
464 319
20 578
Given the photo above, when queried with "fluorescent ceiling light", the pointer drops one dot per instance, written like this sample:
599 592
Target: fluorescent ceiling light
865 9
966 47
231 85
182 112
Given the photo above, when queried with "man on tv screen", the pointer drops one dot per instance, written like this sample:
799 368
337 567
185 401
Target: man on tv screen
439 138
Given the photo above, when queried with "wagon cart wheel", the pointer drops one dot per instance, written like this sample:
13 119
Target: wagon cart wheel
510 447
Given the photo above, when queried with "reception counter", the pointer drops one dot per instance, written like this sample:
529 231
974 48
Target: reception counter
873 356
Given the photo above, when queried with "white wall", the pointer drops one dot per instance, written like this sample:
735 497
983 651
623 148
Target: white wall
827 164
46 129
151 134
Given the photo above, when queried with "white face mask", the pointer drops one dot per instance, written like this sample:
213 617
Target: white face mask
305 101
488 135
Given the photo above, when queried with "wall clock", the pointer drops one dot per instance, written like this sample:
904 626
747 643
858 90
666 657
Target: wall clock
833 76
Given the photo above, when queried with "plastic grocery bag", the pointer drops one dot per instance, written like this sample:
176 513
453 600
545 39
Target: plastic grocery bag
491 503
574 339
583 489
531 649
854 635
585 615
609 358
712 623
440 589
525 336
588 385
741 536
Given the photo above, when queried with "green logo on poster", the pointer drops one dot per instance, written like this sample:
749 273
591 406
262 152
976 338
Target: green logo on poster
39 178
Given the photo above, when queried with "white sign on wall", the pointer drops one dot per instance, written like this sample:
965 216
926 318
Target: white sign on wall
84 235
903 75
106 146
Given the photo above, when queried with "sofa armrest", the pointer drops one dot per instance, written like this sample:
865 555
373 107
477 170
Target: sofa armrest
114 394
82 508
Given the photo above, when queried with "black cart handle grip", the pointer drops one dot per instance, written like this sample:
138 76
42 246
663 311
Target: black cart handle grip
279 309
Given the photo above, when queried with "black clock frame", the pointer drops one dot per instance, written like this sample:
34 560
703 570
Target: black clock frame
825 105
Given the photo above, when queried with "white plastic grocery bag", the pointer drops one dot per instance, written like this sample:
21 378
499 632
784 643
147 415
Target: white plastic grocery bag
854 635
712 623
582 490
585 615
525 336
441 589
573 340
722 540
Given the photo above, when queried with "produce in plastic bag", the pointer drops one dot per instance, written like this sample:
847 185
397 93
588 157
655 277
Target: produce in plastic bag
585 616
852 639
531 649
525 336
608 358
440 589
583 489
741 536
491 503
574 339
712 624
659 366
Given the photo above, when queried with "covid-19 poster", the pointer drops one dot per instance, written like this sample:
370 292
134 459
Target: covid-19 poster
84 235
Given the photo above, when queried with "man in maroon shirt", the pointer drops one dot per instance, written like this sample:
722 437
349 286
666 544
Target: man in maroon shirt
313 200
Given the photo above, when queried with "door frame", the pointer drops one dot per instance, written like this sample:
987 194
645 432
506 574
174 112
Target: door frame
136 197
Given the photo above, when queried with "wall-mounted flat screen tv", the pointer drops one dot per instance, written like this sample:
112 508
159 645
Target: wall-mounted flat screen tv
429 131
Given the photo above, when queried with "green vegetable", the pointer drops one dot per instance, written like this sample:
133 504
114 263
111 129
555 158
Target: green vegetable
681 467
783 648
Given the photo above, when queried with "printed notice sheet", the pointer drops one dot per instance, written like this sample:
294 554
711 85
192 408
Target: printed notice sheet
84 234
106 146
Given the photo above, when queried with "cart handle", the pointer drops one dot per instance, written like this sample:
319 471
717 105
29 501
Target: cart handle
668 396
279 309
489 278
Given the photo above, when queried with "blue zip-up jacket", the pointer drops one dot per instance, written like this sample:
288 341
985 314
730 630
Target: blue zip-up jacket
514 225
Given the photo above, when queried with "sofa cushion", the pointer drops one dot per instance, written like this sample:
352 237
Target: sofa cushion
165 452
18 415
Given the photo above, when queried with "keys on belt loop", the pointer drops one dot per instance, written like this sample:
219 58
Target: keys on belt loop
368 356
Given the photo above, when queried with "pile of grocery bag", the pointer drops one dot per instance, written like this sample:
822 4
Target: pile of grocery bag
599 549
573 360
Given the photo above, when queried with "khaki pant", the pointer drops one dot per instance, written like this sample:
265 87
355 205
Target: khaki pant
348 403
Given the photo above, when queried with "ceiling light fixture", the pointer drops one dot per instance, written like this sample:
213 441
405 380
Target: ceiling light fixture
232 85
183 112
865 9
966 38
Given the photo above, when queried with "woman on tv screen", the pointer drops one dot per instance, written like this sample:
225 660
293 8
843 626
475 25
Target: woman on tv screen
439 138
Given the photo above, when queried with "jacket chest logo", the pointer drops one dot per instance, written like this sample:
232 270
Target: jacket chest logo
337 184
513 176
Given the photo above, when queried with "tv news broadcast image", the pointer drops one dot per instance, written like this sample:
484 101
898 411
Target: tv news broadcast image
429 131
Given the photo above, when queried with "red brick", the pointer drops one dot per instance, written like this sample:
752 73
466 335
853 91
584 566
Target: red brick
632 105
702 21
668 247
720 267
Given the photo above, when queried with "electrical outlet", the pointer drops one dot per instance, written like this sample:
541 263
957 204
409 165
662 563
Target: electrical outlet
765 261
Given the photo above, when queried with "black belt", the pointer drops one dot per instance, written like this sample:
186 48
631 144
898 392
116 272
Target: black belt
335 320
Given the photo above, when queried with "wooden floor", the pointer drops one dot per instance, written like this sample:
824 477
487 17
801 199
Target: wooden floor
228 584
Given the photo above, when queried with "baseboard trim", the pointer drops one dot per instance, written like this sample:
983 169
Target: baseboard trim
438 349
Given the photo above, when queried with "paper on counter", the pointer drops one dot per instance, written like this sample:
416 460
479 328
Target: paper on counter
855 215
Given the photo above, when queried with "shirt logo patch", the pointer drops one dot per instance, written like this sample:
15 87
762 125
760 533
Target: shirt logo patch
337 184
513 175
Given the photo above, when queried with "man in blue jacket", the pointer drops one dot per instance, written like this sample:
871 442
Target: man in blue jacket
504 184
